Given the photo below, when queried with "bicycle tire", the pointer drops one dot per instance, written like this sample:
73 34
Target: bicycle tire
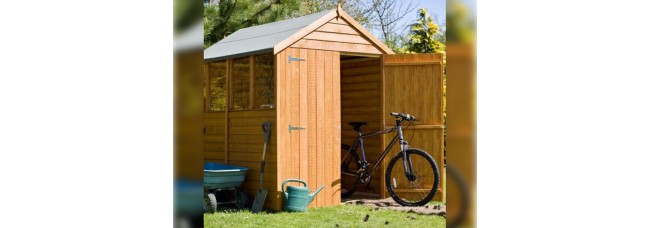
352 189
436 181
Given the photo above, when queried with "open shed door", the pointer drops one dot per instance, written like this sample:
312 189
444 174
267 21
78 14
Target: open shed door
413 84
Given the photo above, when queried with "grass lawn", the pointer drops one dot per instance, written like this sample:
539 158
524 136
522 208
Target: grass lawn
343 215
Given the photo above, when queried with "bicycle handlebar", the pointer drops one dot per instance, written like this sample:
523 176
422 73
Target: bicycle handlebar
407 117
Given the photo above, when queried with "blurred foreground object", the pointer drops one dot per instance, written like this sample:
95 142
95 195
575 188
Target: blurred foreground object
188 127
461 110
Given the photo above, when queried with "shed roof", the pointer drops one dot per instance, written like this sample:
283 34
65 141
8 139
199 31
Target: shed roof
276 36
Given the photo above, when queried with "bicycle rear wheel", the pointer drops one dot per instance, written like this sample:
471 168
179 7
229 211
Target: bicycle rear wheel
419 190
349 168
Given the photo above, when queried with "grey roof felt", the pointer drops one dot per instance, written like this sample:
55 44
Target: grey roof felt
258 39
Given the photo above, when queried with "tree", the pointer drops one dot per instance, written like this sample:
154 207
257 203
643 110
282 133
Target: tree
424 36
227 16
356 8
461 24
186 14
386 15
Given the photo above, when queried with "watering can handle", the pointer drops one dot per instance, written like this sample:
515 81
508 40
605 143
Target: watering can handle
292 180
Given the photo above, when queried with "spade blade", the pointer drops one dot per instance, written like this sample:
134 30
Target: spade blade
259 200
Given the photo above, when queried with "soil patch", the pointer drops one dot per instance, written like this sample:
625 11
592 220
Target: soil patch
390 204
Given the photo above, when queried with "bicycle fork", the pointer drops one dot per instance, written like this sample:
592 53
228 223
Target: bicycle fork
406 159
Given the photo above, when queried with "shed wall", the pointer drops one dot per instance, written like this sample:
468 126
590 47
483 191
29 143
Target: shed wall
245 146
337 35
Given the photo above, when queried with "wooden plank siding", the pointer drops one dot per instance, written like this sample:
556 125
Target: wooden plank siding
413 84
360 92
306 98
337 35
214 137
245 146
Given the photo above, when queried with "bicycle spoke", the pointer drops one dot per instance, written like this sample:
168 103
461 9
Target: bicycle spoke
420 192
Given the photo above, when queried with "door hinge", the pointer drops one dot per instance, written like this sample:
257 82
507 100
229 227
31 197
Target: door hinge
295 59
295 128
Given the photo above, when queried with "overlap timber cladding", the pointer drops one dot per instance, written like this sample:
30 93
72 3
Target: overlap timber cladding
308 95
413 84
245 146
337 35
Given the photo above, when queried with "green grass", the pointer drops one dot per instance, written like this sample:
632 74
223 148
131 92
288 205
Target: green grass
343 215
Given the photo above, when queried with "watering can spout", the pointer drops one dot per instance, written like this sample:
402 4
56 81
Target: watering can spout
313 195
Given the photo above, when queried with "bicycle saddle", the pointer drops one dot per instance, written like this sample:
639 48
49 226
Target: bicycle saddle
357 125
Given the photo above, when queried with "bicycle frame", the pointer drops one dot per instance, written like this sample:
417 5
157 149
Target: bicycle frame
408 167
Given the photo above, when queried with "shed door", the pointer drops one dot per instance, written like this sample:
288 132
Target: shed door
413 84
309 120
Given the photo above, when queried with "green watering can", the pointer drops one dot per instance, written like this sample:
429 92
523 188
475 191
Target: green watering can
297 198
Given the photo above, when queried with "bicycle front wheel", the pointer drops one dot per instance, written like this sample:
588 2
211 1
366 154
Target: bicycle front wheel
418 190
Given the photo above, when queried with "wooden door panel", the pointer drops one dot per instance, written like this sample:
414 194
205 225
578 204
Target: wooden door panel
311 101
413 85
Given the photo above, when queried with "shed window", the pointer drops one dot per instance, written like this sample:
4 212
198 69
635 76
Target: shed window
217 82
241 84
264 96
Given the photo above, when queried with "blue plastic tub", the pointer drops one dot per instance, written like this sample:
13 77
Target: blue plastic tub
188 198
220 176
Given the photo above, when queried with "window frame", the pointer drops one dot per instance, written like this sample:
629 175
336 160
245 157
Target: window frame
208 86
229 81
231 103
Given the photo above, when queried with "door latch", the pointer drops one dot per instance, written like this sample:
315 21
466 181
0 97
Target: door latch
295 59
295 128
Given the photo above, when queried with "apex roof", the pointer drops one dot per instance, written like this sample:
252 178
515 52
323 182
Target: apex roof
275 37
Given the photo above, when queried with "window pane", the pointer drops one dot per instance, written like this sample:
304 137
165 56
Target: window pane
264 82
240 84
217 77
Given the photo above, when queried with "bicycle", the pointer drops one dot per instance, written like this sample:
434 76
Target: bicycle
407 189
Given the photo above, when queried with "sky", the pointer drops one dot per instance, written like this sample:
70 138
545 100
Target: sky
434 7
437 8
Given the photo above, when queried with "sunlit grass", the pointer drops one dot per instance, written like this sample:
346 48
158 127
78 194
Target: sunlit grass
342 215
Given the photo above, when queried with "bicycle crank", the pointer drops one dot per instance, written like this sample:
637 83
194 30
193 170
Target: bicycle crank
363 177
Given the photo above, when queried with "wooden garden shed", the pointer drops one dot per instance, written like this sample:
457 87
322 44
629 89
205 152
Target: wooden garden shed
314 73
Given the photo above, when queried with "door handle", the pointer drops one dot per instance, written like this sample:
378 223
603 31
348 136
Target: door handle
295 128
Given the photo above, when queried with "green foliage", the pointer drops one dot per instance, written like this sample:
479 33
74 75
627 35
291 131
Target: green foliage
356 8
186 14
461 25
424 36
229 16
